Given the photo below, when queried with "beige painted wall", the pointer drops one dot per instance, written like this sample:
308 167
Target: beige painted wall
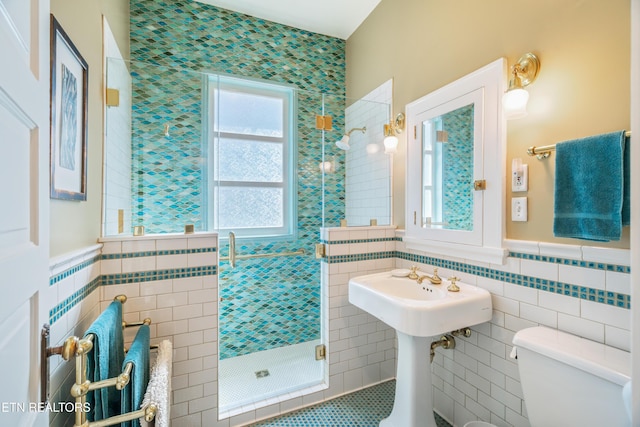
75 225
582 89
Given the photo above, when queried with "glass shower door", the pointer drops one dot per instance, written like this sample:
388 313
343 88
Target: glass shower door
267 190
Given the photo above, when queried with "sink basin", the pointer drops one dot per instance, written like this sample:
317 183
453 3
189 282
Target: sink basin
419 310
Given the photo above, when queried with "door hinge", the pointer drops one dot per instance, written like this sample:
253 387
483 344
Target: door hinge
321 352
415 132
479 184
323 122
321 250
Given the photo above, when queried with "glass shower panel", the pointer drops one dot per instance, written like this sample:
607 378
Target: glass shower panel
365 177
270 307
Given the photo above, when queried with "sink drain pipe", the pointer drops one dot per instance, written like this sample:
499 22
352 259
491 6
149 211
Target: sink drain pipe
447 341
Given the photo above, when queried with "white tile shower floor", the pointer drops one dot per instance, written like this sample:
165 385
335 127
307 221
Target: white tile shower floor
289 369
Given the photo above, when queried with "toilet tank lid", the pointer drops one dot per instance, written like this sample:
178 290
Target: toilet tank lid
598 359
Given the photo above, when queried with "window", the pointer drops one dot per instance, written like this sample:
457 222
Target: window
251 152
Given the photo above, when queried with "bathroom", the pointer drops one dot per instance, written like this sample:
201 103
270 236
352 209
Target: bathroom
583 89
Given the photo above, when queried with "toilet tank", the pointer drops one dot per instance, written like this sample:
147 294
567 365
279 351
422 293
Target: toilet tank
570 381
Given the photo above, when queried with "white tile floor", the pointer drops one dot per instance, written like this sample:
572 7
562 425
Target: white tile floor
290 368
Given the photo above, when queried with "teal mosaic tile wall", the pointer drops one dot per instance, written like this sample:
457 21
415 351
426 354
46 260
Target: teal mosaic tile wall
172 44
457 161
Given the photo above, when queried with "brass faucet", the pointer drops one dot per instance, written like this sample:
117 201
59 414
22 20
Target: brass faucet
435 279
452 286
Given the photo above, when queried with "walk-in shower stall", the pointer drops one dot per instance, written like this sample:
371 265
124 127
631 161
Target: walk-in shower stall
255 161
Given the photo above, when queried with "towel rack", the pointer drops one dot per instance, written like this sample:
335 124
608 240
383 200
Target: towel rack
545 151
78 348
300 251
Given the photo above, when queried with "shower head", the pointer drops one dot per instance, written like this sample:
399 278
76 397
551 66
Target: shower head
343 143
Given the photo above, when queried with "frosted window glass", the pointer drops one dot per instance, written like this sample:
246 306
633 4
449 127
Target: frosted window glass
254 161
250 207
250 114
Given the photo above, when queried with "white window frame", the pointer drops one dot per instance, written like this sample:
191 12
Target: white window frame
213 83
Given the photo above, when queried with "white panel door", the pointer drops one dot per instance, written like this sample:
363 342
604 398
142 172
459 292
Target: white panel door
24 205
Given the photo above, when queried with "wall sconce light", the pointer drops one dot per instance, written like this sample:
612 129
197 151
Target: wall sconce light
343 143
523 73
390 134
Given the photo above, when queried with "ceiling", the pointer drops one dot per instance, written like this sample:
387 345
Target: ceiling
336 18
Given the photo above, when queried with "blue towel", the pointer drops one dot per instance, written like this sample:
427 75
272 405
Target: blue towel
105 361
133 393
591 190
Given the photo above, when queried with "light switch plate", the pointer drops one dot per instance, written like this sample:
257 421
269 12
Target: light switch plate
519 209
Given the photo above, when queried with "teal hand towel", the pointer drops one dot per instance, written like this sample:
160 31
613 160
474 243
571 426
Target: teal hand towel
133 393
590 188
105 361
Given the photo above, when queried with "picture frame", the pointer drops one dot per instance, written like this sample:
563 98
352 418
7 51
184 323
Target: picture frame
68 117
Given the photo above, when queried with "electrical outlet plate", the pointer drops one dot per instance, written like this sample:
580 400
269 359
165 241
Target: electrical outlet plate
519 209
520 179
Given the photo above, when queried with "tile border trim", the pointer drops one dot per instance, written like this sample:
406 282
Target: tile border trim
575 291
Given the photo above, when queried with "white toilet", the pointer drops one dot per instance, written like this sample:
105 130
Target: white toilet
570 381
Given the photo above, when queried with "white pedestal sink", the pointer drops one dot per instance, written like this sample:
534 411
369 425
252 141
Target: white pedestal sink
418 312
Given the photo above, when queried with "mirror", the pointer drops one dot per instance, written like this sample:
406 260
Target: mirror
447 170
455 168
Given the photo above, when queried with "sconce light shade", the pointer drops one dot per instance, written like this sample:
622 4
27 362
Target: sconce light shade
327 167
514 103
514 100
390 144
390 131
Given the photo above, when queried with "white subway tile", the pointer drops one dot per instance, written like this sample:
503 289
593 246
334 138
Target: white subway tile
202 242
581 327
132 265
171 244
561 303
617 337
132 246
166 262
521 293
543 270
111 266
607 314
539 315
606 255
581 276
156 287
618 282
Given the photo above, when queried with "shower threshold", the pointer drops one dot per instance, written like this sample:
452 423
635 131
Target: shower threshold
268 377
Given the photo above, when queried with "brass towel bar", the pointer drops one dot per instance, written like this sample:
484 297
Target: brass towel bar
268 255
78 348
545 151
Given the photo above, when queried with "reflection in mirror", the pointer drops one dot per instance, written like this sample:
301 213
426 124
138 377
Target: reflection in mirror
367 167
447 170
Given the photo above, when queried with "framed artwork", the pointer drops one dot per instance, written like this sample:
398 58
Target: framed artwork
68 114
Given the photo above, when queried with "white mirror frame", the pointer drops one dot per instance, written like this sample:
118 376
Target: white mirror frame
491 81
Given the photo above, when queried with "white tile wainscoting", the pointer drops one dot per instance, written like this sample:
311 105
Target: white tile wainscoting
173 280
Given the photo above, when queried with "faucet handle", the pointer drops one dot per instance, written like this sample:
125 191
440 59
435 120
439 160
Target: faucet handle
413 275
453 287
